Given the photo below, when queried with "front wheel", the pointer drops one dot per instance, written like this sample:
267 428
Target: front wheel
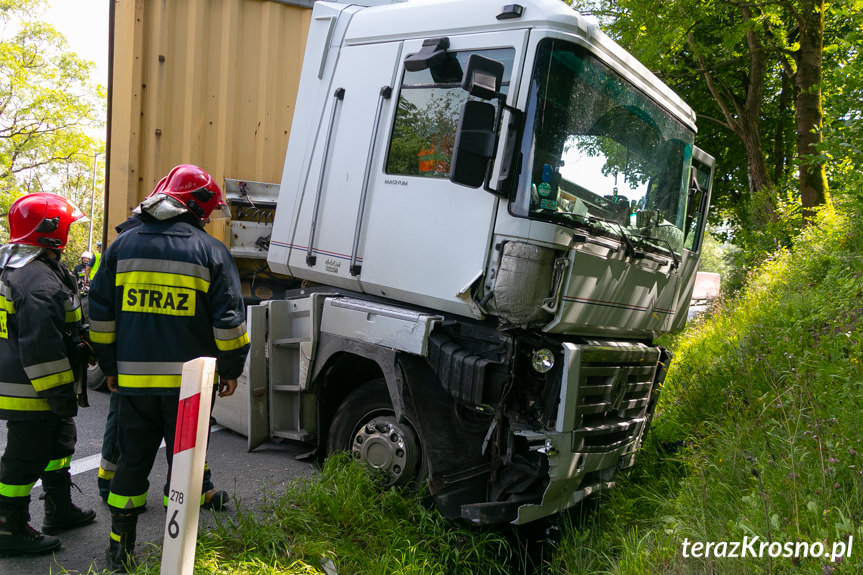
365 425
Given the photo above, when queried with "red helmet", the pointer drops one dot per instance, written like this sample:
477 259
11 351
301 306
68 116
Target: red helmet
42 219
192 187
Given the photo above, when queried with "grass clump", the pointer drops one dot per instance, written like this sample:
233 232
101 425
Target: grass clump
757 432
341 522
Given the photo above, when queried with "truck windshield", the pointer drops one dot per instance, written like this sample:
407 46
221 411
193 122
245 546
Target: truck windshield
600 154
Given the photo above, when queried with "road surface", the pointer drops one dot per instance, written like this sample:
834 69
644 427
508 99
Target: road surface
245 476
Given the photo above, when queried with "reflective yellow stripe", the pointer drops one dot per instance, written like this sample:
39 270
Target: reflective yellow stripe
115 537
6 305
51 381
106 338
23 404
163 279
104 474
57 464
16 490
229 344
124 502
74 315
4 330
144 381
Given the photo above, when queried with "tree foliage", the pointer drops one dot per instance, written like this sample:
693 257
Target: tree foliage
752 70
51 114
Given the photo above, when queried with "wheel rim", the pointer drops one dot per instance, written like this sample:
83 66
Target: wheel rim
389 448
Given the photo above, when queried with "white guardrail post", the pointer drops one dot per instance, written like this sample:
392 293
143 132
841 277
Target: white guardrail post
187 469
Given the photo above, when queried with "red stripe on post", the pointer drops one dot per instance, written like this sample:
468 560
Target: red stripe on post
187 423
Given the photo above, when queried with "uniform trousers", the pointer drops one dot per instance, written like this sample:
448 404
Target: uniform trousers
30 446
143 421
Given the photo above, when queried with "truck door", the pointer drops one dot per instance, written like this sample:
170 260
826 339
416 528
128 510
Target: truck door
323 246
696 224
425 240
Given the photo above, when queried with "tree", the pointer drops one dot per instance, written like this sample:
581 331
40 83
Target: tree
843 94
740 63
809 18
50 110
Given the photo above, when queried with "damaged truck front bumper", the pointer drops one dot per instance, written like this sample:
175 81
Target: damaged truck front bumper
607 394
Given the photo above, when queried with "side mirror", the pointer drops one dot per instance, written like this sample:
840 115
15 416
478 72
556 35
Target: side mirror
483 77
443 66
474 143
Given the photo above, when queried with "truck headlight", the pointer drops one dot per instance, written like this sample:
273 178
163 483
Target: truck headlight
542 360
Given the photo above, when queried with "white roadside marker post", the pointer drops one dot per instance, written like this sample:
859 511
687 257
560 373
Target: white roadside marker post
187 469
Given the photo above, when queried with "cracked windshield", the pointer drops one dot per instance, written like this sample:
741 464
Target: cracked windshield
603 155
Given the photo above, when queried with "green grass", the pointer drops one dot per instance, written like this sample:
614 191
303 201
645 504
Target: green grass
759 431
340 520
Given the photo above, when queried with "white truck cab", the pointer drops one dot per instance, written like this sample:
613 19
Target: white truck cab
495 210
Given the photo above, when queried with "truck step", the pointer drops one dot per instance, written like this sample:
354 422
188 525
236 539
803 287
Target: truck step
301 435
289 341
287 387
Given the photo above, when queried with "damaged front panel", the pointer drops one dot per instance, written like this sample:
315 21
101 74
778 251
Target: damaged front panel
563 436
522 283
606 399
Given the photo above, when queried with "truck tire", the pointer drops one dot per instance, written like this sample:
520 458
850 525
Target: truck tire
96 378
366 427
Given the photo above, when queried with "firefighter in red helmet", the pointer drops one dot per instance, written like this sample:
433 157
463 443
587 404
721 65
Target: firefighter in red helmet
40 330
166 292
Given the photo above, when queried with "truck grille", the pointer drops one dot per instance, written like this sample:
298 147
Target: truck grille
607 393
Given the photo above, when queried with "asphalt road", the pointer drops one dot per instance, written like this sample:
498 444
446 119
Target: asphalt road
246 476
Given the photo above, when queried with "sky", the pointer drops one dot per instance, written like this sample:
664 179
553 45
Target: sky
84 23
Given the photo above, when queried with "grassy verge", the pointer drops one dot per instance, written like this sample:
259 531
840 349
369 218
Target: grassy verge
340 522
758 431
758 434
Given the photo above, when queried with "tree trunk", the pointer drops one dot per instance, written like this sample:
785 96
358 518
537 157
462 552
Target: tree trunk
780 158
763 209
809 114
743 117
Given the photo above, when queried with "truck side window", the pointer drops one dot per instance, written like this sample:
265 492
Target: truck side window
428 110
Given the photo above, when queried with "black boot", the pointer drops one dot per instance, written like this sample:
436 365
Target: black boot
60 513
122 544
18 538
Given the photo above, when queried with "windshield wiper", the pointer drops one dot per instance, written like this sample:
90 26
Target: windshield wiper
674 259
630 247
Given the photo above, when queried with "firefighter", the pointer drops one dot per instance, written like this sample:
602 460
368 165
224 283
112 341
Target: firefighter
95 258
81 271
40 362
166 293
110 447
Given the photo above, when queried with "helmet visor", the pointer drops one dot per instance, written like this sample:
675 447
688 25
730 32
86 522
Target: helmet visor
220 212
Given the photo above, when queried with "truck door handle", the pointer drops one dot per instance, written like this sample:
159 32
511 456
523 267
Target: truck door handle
386 93
311 258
